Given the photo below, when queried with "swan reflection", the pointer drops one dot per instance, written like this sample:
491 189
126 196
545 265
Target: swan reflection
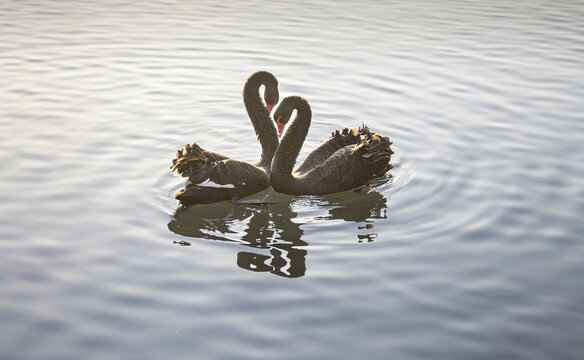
272 231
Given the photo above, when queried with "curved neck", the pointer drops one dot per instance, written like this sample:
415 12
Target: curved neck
287 152
260 117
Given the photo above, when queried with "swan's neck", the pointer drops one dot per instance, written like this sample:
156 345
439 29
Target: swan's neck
260 118
287 152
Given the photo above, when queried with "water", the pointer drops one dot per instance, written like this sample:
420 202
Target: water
471 249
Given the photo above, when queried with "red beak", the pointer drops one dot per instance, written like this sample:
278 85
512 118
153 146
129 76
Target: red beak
270 107
280 127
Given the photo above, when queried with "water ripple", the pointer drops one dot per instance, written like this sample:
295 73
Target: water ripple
472 242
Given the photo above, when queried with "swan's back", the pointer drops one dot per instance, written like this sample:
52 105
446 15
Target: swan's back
338 140
214 177
349 167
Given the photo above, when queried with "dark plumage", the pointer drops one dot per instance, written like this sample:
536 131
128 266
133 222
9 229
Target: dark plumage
348 159
214 177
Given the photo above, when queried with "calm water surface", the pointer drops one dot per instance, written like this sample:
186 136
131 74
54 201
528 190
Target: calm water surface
471 248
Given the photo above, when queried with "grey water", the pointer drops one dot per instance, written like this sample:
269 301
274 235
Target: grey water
471 247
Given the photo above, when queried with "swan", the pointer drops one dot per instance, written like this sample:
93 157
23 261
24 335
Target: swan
213 177
348 159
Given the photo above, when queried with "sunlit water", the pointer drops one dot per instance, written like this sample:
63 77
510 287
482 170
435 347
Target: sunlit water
471 248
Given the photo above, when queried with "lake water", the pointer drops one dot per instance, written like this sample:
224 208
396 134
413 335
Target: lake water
472 247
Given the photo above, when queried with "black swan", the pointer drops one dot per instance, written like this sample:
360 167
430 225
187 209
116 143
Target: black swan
348 159
214 177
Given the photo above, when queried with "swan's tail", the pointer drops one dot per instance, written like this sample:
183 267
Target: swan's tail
193 156
191 162
196 169
185 156
377 151
373 147
350 136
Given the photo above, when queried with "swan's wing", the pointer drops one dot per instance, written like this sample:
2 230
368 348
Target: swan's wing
212 181
337 141
193 151
350 166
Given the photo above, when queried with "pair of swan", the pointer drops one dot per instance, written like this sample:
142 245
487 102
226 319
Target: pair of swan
346 160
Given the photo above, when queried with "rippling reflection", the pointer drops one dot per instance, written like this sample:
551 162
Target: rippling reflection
273 229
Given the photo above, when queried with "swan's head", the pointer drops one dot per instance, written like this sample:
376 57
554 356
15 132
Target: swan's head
287 107
270 83
271 96
283 114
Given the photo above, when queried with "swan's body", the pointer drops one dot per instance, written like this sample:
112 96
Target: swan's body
214 177
348 159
